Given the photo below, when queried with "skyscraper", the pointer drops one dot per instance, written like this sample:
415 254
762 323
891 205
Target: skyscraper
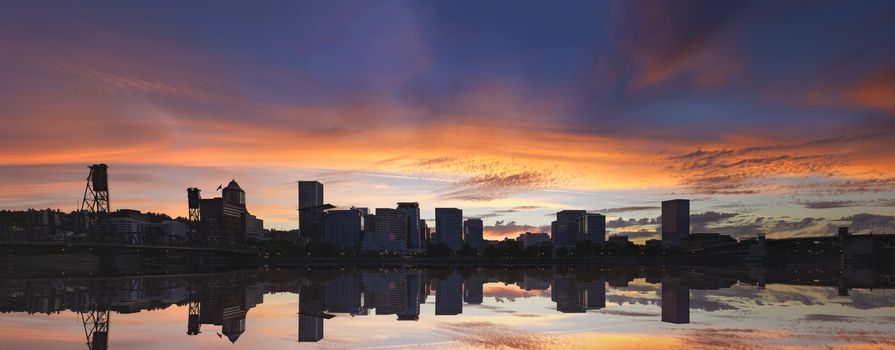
449 226
565 232
425 233
254 227
675 220
592 227
592 294
310 312
473 290
387 230
564 292
675 301
473 230
449 295
414 234
310 214
412 306
343 294
343 227
224 218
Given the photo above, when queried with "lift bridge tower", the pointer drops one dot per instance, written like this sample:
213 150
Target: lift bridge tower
193 202
96 203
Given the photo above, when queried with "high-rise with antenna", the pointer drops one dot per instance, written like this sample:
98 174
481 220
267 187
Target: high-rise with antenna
96 203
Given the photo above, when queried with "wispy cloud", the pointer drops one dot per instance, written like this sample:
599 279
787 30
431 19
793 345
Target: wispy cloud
628 209
498 185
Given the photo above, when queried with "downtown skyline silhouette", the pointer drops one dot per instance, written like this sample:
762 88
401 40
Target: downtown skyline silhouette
447 174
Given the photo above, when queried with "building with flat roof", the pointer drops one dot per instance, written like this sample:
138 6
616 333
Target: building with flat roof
310 211
387 230
473 231
343 227
565 231
675 221
254 227
592 227
705 240
414 235
449 295
530 239
449 226
675 301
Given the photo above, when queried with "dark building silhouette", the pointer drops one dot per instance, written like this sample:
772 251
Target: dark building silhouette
343 227
225 306
310 313
564 292
310 211
473 230
233 313
414 232
592 294
425 231
411 311
592 227
224 218
387 230
565 230
449 295
473 290
675 301
386 292
675 221
705 240
343 294
449 226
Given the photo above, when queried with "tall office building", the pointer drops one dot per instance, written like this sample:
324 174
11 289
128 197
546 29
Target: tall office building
449 295
675 221
386 292
592 227
224 218
310 212
311 301
254 227
564 292
425 232
474 289
412 305
675 301
387 230
343 227
233 313
449 226
343 294
414 234
565 232
473 230
592 294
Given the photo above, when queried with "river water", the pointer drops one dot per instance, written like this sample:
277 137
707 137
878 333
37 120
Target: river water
446 308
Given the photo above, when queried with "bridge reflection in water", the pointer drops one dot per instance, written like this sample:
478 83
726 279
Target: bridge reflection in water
223 300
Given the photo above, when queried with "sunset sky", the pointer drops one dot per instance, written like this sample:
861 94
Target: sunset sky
774 117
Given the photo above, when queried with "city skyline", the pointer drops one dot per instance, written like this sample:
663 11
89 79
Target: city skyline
770 117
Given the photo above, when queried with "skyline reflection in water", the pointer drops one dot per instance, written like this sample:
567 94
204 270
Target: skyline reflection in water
466 307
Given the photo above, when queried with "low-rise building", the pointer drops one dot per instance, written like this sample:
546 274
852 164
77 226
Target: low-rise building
530 239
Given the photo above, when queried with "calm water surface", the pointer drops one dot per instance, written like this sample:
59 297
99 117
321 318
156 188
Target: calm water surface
531 308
